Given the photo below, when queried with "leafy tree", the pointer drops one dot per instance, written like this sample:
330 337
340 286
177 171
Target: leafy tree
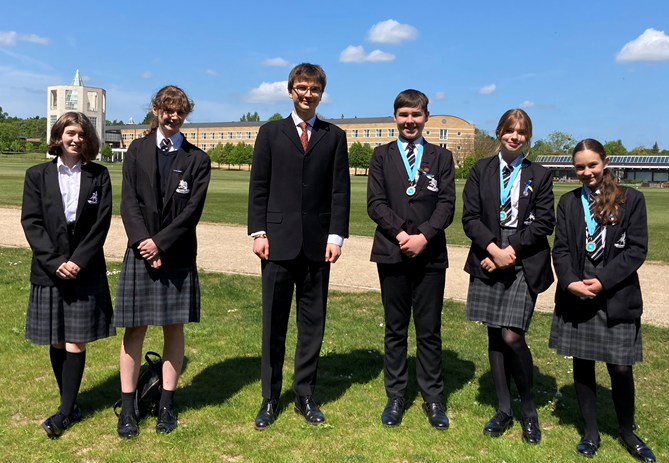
485 145
356 157
3 145
29 147
664 153
637 151
242 154
216 154
114 122
3 115
560 142
615 148
250 117
275 117
467 164
320 116
367 152
42 147
148 118
15 146
106 151
655 150
226 155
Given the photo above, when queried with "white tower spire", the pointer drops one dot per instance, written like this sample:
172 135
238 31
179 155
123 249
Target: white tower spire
77 80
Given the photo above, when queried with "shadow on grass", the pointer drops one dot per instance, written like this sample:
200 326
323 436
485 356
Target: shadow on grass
568 412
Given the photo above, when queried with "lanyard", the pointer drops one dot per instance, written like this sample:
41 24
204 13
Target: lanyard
504 191
590 222
411 171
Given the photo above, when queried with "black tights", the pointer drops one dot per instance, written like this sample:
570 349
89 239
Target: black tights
622 390
509 356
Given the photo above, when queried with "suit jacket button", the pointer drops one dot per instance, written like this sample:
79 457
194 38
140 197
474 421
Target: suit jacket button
304 184
410 222
304 212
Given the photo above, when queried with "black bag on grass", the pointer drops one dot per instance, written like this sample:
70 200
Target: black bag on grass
149 387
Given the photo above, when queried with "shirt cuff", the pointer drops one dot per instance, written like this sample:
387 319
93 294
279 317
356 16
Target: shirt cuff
259 233
336 239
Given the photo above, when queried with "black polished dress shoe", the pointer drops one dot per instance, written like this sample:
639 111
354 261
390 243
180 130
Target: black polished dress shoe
127 426
76 413
265 416
167 422
436 415
392 414
639 451
53 430
499 423
588 448
531 430
306 406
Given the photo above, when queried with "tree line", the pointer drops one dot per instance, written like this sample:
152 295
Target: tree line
13 128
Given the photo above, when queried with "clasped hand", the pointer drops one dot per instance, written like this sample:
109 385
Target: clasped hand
68 270
586 288
499 258
150 252
411 245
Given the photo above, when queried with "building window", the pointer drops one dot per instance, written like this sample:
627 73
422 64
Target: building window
54 99
459 134
71 100
377 144
94 121
211 146
444 145
193 135
379 133
212 135
92 104
52 120
248 135
239 135
139 135
220 135
204 146
443 134
229 135
123 136
256 134
132 136
354 133
427 133
458 147
203 135
365 133
391 132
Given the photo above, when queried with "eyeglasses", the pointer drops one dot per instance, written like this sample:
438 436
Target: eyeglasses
303 89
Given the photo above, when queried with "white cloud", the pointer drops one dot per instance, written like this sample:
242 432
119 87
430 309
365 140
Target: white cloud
439 96
391 31
487 90
650 46
526 104
211 72
146 75
357 54
9 38
268 93
326 98
85 78
275 62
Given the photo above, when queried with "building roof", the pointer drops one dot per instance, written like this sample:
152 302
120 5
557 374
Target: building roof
77 80
615 162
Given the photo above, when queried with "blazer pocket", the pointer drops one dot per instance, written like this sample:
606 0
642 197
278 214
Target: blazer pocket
274 217
324 218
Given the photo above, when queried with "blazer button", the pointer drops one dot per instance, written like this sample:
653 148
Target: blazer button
304 185
410 222
304 212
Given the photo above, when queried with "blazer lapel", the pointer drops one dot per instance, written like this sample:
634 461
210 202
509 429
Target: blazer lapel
317 132
181 164
53 189
578 231
526 173
428 156
396 156
84 190
290 131
148 159
493 200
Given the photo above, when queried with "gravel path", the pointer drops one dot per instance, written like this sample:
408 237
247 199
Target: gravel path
227 248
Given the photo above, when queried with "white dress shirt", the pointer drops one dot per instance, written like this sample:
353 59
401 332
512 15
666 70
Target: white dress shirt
69 181
176 140
514 194
332 239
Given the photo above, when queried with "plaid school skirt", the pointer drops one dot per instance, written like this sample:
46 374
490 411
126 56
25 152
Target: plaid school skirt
159 297
587 333
504 300
79 310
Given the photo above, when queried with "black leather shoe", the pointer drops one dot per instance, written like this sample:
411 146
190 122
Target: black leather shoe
639 451
127 426
499 423
392 414
306 406
167 422
436 415
265 416
76 413
52 429
531 430
588 448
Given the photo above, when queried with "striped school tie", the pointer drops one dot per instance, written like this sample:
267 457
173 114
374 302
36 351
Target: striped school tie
506 173
411 156
165 144
596 255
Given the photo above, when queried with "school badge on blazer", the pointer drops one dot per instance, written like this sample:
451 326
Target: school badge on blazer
183 187
94 198
622 241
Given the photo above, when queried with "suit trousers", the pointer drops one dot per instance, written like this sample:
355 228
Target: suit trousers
310 280
404 286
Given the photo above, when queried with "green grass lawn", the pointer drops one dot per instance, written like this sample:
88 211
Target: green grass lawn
219 391
227 201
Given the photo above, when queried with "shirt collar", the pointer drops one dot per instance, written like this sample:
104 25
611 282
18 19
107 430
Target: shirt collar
418 141
589 191
515 163
297 119
75 168
176 140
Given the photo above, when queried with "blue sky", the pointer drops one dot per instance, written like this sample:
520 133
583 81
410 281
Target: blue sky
591 69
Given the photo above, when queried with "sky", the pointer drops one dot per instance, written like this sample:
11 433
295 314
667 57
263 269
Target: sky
590 69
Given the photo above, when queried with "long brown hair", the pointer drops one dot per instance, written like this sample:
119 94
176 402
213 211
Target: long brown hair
508 120
611 195
90 143
170 98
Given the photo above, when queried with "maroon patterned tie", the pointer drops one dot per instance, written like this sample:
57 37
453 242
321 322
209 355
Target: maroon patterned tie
304 137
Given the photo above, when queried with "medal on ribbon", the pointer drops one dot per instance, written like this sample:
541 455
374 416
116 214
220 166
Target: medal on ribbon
412 172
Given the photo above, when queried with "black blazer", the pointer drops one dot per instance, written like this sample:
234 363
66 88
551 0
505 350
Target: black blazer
427 212
43 220
536 220
171 227
298 197
624 252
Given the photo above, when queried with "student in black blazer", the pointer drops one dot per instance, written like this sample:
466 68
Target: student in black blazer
508 220
299 200
601 239
66 212
411 197
165 180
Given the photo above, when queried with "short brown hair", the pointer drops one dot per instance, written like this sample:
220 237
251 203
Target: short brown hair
511 118
411 99
169 97
90 143
307 72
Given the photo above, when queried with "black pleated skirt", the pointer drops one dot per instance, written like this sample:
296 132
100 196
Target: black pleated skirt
159 297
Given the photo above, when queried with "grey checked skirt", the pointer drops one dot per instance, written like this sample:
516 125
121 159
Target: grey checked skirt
79 310
587 333
504 300
146 296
